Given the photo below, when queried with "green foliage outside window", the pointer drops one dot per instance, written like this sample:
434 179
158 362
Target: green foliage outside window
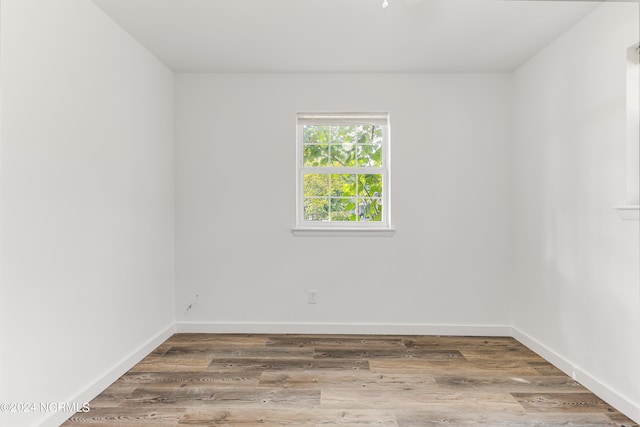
342 197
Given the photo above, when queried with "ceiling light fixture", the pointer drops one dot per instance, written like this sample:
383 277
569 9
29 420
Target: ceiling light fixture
385 4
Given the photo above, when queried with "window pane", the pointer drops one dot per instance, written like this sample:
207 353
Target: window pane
343 134
366 134
315 134
316 184
370 209
343 155
316 155
370 185
377 135
370 155
316 209
343 209
343 185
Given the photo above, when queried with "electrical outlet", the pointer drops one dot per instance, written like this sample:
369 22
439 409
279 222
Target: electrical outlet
312 297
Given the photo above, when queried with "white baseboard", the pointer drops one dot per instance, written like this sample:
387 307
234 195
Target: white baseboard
105 380
599 388
555 359
342 328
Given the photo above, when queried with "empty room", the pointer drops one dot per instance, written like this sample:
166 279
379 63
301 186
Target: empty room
319 212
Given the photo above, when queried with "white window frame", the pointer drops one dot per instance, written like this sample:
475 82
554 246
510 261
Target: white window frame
342 227
631 209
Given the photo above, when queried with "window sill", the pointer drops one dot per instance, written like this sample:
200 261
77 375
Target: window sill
628 212
343 232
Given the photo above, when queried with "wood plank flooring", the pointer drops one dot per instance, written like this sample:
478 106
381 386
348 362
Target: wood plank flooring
320 380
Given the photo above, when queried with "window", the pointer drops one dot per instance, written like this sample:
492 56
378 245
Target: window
343 171
631 210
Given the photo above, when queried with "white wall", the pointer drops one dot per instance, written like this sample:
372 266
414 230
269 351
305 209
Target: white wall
577 284
446 265
87 202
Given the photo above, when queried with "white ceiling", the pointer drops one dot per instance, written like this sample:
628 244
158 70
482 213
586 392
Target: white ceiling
344 35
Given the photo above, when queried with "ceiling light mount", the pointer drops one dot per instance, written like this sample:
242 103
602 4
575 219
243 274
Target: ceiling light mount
385 4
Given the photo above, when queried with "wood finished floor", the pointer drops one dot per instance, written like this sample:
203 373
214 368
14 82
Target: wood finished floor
340 380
